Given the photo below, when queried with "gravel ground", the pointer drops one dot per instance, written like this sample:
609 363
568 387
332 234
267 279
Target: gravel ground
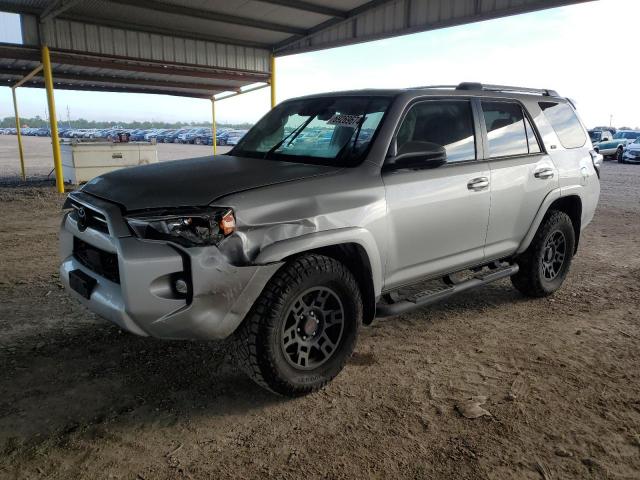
561 377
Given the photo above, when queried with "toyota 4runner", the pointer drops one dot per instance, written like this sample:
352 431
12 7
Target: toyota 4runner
327 214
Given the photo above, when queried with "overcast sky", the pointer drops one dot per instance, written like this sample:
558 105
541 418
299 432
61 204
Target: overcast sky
587 52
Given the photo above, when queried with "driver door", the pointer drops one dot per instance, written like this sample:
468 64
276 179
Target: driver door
438 217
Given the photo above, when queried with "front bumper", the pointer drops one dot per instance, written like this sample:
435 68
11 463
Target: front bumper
143 301
628 157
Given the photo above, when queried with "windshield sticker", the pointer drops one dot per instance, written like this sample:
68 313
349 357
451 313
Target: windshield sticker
342 120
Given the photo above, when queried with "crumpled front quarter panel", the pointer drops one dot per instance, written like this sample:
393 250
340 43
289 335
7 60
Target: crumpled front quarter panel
349 198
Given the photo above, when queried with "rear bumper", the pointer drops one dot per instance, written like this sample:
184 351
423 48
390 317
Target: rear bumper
144 302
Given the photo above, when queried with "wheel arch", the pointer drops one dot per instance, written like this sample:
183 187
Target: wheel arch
570 204
355 258
354 247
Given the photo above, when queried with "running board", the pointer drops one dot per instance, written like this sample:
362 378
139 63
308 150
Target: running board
435 295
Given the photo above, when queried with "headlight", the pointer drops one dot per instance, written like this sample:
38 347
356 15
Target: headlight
192 228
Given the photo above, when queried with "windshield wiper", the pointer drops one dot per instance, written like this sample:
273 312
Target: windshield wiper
295 133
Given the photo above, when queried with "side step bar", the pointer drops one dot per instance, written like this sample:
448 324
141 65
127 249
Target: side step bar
431 296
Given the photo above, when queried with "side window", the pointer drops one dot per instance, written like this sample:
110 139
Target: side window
446 124
565 123
506 129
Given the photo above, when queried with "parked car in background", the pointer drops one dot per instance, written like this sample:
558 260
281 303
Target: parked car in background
160 137
598 136
235 136
137 135
222 134
173 137
615 147
631 154
197 135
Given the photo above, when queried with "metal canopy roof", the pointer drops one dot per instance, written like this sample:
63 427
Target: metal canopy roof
203 47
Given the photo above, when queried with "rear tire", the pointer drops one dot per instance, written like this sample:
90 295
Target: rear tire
545 264
303 328
619 155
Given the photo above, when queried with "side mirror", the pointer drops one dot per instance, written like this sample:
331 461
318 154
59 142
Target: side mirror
416 155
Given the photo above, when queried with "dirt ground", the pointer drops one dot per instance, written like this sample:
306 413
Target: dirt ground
81 399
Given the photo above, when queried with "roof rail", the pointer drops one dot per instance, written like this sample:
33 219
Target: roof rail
493 88
451 87
505 88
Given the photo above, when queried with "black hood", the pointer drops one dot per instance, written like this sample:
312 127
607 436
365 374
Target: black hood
194 182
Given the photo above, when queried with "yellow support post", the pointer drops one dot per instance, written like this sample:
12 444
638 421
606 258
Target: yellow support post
20 150
213 125
55 140
273 81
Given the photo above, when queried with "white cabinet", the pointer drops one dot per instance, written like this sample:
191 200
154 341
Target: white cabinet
83 161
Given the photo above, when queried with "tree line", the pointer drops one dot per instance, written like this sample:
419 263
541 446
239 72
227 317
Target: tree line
38 122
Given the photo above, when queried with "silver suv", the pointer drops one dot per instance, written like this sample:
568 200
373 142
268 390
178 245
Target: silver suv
327 214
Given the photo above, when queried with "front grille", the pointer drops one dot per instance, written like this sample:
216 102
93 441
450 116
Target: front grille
90 218
97 260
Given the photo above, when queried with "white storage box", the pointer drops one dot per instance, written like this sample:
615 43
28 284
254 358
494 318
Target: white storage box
83 161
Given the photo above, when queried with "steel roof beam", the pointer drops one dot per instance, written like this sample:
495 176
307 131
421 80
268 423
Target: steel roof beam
209 15
309 7
123 89
18 52
334 21
156 67
56 8
121 80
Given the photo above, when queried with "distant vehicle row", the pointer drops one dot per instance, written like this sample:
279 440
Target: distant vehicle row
31 132
197 136
622 145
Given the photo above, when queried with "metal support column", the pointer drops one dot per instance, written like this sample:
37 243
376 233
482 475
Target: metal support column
213 125
20 150
53 119
273 81
19 83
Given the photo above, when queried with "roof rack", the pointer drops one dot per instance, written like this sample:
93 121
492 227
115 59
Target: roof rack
495 88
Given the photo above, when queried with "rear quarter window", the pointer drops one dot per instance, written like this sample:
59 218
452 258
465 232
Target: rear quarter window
565 123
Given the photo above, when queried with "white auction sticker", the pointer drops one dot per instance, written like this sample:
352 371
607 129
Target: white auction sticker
343 120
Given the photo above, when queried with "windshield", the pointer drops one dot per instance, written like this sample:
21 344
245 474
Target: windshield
329 131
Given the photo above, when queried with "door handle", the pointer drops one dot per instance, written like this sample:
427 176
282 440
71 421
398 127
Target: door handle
544 173
478 184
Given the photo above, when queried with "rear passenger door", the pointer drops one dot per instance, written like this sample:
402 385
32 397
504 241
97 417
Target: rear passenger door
437 216
522 174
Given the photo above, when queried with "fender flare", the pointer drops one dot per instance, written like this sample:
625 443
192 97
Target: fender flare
551 197
278 251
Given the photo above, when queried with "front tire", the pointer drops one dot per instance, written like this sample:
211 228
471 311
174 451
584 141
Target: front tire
545 264
303 328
